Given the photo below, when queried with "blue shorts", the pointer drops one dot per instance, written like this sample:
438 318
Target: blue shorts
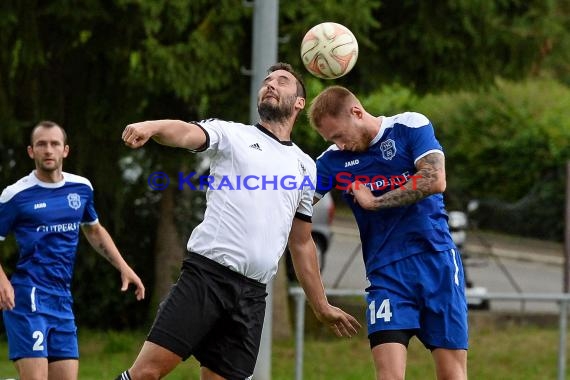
425 293
41 325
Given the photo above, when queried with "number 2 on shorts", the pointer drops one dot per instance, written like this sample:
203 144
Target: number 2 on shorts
39 337
383 311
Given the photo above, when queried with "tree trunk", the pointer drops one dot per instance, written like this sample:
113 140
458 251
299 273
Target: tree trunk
282 328
169 249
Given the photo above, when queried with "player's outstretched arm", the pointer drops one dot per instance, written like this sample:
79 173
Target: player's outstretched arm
102 242
6 292
304 255
175 133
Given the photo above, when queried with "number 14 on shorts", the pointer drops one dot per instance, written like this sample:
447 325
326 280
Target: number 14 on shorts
383 311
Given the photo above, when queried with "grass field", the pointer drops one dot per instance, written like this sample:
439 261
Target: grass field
511 350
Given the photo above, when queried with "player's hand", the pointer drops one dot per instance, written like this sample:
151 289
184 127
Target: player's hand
128 276
341 323
6 293
362 195
136 135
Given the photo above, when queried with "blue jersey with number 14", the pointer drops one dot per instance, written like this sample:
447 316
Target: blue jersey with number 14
390 234
46 219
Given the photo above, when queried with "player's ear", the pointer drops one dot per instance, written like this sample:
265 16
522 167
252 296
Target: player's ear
65 151
300 102
30 152
356 111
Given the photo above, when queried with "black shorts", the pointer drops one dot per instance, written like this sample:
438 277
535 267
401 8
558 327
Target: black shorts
215 314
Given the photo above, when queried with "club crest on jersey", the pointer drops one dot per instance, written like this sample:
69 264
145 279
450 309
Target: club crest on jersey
74 200
388 149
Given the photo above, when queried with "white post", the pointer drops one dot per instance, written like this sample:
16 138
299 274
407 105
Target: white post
563 326
299 334
264 54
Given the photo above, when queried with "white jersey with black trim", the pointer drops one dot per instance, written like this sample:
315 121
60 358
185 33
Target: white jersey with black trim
257 185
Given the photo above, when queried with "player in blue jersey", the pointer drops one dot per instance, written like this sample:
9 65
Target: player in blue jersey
391 171
45 210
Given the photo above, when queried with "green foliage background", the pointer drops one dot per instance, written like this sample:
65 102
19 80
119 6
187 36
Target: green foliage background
508 147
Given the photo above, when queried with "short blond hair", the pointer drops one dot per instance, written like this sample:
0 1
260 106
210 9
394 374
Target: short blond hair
331 102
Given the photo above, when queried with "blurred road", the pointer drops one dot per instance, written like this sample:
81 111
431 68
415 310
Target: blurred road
494 262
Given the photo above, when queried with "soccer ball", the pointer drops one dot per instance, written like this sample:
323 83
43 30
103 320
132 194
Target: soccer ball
329 50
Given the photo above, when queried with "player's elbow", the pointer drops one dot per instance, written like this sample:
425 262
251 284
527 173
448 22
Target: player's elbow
439 186
294 248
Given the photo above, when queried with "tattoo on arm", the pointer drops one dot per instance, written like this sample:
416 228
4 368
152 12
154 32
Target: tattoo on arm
431 169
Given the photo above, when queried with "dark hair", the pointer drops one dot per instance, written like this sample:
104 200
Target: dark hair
287 67
48 124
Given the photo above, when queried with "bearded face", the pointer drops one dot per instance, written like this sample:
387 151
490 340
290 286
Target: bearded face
276 109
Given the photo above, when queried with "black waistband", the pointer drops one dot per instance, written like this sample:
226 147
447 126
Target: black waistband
194 257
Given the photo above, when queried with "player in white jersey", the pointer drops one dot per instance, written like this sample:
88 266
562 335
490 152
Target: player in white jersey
392 173
260 197
45 210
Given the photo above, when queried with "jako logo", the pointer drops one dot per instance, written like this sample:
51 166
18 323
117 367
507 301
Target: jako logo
40 205
351 163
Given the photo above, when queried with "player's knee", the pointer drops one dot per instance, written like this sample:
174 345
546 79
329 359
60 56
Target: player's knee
452 374
144 373
387 375
34 376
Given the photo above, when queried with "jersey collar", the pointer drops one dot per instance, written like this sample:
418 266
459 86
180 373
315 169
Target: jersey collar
49 185
380 132
268 133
